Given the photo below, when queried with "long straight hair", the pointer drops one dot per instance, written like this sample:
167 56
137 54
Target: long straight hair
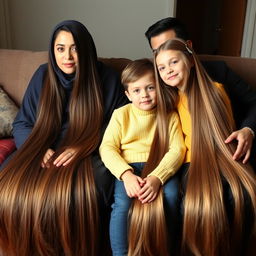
54 211
207 230
147 234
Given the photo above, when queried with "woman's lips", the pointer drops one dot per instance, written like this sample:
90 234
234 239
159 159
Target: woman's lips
69 65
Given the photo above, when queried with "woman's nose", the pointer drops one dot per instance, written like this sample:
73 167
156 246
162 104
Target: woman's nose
68 55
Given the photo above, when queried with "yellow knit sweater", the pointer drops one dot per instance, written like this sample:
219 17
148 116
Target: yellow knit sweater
128 139
185 118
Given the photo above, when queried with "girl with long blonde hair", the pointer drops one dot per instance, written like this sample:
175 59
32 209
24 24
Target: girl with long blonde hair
220 193
54 193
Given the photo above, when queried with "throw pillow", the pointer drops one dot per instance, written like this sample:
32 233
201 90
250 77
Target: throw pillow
7 146
8 111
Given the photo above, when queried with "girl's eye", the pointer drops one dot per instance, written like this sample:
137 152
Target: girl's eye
160 68
174 61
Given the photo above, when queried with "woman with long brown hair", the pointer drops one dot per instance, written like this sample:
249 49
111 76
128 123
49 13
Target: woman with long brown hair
55 191
220 193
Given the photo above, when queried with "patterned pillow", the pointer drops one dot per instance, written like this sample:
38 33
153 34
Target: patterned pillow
8 111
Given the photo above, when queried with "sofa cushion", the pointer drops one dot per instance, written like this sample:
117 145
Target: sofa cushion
7 146
8 111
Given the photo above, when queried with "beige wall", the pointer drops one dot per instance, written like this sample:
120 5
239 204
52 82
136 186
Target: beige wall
117 26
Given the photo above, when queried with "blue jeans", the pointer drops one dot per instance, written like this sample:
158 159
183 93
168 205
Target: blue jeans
121 205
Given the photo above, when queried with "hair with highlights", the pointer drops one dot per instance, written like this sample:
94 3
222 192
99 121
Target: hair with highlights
147 227
206 229
54 211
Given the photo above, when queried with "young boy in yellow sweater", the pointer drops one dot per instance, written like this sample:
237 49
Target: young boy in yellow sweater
126 147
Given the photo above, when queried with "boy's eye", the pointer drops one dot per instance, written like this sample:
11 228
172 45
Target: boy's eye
136 91
151 88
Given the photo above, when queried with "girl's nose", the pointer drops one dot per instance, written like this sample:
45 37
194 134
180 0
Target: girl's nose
170 70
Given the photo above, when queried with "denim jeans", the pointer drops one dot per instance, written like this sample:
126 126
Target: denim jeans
121 205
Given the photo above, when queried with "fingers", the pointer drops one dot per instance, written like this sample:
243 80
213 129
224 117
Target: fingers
247 156
239 150
244 143
46 158
141 181
147 197
64 158
231 137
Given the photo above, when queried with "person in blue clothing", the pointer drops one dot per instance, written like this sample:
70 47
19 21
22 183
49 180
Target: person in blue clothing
242 96
55 182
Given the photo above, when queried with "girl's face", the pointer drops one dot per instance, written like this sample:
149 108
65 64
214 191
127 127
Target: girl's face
65 52
172 68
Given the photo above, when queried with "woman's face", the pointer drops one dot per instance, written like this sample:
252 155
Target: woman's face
65 52
172 68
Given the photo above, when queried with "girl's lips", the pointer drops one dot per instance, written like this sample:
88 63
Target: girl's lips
172 77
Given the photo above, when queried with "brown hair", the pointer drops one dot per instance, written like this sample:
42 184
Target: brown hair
54 211
135 70
147 229
206 229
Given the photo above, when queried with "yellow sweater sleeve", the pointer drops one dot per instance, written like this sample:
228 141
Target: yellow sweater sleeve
110 148
173 159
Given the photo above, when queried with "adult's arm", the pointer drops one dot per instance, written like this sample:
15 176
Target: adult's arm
241 94
26 117
243 101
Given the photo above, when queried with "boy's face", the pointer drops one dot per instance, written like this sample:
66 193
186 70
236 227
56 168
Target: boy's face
142 93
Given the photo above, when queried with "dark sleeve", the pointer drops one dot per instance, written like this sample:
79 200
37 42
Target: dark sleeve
113 91
26 117
242 95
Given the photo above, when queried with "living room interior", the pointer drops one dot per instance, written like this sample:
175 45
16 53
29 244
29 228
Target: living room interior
118 27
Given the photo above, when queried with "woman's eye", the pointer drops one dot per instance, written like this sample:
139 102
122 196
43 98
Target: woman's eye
60 49
74 49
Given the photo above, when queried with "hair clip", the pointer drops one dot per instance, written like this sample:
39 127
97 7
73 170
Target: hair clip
188 49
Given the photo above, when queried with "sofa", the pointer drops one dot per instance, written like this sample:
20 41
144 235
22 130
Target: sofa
18 66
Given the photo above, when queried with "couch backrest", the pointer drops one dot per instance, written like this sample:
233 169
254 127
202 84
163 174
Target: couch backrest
18 66
244 67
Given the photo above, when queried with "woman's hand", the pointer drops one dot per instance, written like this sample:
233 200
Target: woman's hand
65 157
244 138
150 189
132 183
46 158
